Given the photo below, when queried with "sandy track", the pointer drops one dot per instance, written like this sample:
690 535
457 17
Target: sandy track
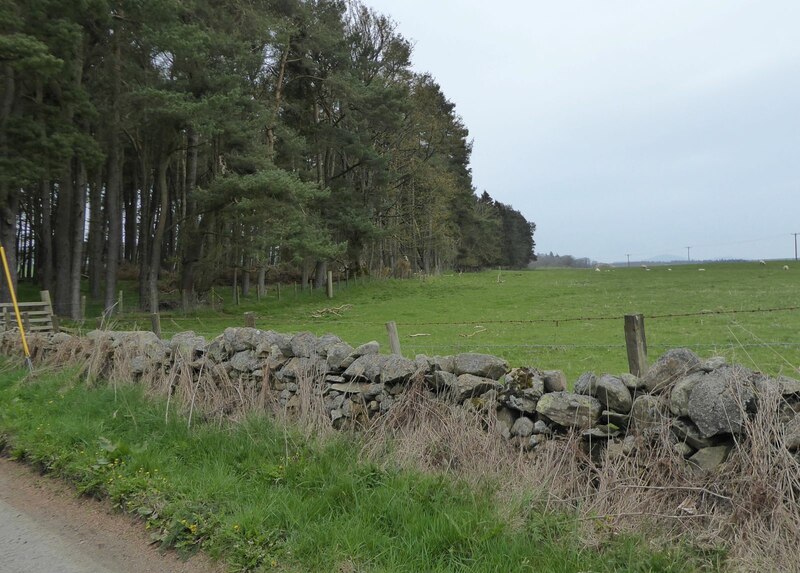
45 527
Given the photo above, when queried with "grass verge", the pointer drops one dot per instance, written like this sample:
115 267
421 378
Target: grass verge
264 497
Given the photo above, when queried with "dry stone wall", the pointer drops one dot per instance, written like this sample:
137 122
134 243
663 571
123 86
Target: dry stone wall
702 404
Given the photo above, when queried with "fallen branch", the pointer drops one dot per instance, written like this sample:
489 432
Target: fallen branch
334 311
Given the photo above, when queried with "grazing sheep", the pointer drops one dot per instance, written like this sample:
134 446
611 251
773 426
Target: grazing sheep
701 270
669 269
786 267
597 270
763 263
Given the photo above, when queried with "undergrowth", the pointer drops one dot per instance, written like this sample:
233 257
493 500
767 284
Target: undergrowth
265 496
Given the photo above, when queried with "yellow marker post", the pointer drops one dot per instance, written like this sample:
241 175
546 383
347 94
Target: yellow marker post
16 307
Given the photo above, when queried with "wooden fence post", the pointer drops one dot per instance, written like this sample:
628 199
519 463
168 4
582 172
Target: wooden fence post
330 284
120 309
250 319
278 289
394 337
155 322
26 323
83 307
636 343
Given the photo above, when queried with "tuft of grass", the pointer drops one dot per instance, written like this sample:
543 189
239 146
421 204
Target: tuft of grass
266 497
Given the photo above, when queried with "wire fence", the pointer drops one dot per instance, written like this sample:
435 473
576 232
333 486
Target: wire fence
333 319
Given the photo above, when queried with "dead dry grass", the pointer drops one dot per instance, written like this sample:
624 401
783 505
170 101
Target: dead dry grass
748 508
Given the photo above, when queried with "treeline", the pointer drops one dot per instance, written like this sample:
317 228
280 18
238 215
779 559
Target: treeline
556 260
217 141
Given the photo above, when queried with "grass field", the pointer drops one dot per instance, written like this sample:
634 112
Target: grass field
529 317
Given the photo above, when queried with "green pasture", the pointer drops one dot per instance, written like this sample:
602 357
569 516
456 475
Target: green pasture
529 317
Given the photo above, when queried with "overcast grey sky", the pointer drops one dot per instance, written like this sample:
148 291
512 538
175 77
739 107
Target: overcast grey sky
622 127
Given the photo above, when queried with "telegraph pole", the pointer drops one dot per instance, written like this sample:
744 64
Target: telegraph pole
629 257
795 245
689 254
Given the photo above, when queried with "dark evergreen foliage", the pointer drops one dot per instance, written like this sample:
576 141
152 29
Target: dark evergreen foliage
205 141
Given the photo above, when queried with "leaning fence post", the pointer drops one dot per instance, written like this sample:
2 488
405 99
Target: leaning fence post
155 321
394 338
636 344
250 319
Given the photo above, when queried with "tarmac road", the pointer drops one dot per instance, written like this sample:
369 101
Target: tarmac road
45 527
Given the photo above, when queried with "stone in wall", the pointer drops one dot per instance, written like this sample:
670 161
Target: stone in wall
719 402
671 367
612 393
570 410
482 365
469 385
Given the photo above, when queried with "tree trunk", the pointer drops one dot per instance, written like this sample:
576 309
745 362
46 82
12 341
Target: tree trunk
8 234
320 274
145 224
114 184
262 281
96 234
304 275
45 259
9 203
129 195
158 237
278 96
46 237
245 282
78 231
63 241
191 238
235 291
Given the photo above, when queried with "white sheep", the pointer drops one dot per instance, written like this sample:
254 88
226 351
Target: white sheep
786 267
597 270
762 263
701 270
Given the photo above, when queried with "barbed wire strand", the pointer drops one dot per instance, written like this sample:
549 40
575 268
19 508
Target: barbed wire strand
555 321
